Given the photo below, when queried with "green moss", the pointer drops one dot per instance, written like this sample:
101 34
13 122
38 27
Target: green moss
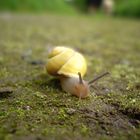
38 107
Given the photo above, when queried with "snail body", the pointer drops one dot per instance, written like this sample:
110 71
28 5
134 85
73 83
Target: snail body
73 86
69 66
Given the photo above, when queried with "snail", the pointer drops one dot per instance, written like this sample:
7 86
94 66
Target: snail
70 66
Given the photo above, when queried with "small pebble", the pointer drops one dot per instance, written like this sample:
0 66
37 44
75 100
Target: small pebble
28 108
71 111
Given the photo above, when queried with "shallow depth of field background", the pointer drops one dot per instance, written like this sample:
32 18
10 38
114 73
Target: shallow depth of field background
32 104
126 8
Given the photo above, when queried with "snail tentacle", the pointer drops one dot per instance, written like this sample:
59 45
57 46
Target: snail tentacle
80 78
98 77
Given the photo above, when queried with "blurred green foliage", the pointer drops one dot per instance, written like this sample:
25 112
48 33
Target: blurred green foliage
128 8
36 5
81 5
122 7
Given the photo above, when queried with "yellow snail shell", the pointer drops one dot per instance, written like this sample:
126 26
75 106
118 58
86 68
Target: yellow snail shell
67 62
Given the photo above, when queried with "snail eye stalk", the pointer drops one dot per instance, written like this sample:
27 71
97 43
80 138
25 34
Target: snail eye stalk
98 77
80 78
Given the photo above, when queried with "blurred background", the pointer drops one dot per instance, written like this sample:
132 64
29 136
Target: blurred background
128 8
32 103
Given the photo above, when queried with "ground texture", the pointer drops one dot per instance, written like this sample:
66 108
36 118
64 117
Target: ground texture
32 103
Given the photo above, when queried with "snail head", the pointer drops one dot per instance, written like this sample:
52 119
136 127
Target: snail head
82 88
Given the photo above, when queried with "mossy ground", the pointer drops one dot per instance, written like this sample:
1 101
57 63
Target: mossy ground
38 108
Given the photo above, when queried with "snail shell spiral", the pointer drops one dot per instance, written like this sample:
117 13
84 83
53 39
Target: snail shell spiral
67 62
